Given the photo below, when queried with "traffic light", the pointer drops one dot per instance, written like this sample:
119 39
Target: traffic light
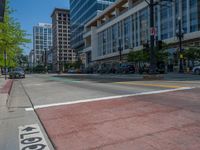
2 9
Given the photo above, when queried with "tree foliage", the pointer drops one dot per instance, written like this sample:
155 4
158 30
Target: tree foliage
12 38
138 56
144 54
192 53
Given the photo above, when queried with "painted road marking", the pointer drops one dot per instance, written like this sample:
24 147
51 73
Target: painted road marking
107 98
31 137
150 85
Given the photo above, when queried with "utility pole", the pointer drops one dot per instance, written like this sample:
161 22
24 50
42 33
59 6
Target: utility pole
2 10
151 5
45 61
5 64
152 39
120 52
180 35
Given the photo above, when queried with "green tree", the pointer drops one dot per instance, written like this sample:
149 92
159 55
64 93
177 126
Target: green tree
162 53
138 56
192 53
12 39
144 54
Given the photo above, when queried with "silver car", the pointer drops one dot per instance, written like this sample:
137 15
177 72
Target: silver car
196 70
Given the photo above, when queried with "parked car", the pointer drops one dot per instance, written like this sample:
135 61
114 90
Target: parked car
72 70
125 68
104 68
196 70
161 67
17 73
144 69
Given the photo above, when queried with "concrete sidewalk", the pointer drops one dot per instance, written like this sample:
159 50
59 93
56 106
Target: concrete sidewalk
5 89
14 121
167 121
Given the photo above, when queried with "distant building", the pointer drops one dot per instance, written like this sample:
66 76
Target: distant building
50 57
81 12
42 41
125 25
62 51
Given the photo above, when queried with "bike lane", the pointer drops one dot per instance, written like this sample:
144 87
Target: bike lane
156 121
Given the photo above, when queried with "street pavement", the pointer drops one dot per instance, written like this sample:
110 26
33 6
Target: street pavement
13 117
103 112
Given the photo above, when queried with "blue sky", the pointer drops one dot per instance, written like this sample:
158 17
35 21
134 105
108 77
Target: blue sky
31 12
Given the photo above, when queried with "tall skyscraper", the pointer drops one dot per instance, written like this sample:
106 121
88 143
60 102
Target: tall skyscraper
62 52
81 12
42 41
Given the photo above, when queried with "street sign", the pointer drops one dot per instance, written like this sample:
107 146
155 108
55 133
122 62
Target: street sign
2 9
153 31
31 137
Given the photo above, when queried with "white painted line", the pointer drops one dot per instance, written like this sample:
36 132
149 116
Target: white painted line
107 98
29 109
31 137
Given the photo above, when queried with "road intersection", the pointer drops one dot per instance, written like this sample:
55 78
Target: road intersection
105 112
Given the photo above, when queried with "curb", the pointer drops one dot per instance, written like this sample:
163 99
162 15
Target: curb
5 91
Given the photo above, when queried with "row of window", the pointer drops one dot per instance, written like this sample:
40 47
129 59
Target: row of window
134 30
125 34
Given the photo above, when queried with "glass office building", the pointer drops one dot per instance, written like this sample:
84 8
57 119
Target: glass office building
128 26
81 12
42 40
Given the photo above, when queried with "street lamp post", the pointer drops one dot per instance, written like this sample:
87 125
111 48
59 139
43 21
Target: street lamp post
2 10
152 38
45 60
151 5
180 35
120 51
5 64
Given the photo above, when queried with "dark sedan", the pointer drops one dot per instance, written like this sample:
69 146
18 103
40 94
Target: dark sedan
17 73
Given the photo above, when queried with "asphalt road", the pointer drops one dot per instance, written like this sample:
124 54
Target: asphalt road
40 90
49 89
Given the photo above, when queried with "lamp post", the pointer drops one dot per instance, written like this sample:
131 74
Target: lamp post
5 62
151 5
180 35
2 10
152 29
45 60
120 52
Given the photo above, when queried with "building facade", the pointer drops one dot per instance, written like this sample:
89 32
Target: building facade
62 51
42 41
126 24
81 12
